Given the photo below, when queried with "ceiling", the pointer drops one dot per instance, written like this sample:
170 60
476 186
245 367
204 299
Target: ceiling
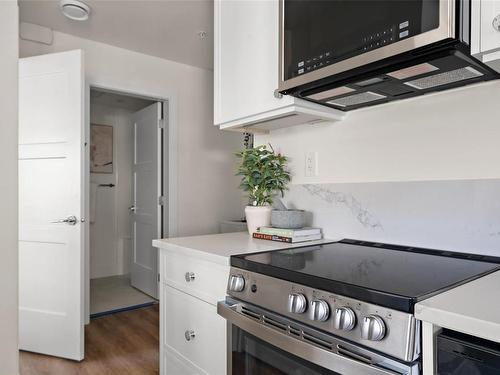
165 28
111 99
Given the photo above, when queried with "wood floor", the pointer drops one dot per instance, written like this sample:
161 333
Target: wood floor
123 343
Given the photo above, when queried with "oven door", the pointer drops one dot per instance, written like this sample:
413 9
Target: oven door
269 344
249 355
321 38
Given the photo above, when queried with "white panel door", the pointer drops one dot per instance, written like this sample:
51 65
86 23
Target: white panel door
146 213
51 235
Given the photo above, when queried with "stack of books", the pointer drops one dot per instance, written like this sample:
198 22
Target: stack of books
288 235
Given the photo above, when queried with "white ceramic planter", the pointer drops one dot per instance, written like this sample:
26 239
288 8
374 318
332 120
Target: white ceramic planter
257 216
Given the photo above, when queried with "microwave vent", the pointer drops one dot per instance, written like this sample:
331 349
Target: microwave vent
355 99
413 71
445 78
331 93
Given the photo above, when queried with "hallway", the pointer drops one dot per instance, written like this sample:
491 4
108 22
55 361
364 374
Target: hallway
111 294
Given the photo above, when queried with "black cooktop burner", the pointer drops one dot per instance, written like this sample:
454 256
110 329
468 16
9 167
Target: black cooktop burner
388 275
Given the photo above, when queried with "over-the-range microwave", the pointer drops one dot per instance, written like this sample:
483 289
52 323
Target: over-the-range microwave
348 54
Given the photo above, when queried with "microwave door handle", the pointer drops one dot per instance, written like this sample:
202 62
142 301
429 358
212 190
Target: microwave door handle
329 360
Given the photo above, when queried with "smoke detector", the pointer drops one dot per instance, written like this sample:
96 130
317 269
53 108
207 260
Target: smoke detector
75 10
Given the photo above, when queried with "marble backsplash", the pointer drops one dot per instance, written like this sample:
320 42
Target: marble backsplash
459 216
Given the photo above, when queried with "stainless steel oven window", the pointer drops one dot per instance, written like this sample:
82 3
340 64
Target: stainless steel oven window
445 30
248 355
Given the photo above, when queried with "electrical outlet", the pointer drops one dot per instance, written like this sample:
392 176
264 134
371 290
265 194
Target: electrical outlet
311 164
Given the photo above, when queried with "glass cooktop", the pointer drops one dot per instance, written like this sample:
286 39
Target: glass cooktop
388 275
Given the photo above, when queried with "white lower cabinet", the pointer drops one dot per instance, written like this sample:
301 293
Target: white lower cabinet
198 278
193 335
176 364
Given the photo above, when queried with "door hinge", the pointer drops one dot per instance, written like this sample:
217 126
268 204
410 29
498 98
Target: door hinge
162 200
162 123
158 277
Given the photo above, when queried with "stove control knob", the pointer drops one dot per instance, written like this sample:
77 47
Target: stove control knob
319 310
236 283
344 319
297 303
373 328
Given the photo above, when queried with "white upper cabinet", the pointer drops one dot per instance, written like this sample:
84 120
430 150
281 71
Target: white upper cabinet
485 34
246 70
490 25
246 59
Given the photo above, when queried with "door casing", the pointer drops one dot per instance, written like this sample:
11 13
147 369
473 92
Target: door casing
169 171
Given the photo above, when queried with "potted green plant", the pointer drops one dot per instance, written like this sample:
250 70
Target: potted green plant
263 174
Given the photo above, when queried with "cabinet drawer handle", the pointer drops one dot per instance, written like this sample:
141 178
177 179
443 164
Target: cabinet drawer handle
189 335
189 276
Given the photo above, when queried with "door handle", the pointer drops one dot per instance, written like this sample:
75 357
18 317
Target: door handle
70 220
132 208
189 335
496 23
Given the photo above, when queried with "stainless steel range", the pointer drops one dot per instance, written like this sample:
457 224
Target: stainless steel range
339 308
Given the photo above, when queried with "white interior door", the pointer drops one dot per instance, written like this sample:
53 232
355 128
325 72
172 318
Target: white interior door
51 235
146 212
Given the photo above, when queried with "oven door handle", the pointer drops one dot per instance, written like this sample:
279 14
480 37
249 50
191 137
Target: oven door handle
314 354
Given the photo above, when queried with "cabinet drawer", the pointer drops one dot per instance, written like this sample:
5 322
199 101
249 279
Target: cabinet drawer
175 364
208 281
184 313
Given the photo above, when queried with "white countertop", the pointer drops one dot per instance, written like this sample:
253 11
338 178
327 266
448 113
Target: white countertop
472 308
219 247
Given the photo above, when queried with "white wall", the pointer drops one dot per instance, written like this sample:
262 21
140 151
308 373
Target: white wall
8 187
450 135
422 172
206 187
110 234
455 215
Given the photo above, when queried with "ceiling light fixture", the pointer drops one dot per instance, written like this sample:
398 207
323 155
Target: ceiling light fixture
75 10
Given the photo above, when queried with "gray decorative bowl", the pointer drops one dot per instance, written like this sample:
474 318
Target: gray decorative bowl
288 219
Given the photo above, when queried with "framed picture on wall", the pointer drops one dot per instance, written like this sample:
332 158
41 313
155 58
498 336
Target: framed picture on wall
101 148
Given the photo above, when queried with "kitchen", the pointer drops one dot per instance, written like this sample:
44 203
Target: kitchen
386 172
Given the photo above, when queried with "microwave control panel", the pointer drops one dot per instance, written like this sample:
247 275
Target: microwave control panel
374 40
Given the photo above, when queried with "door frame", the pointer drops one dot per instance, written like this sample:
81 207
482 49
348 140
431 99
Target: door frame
169 159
